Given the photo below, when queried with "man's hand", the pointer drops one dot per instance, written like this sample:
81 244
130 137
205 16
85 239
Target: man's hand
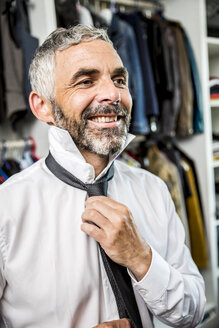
122 323
116 232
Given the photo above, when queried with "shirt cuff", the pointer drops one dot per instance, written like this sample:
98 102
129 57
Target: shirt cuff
154 284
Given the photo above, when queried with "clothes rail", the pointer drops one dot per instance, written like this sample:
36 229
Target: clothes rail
16 144
156 5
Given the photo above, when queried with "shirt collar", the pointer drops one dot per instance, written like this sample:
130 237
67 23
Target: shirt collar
66 153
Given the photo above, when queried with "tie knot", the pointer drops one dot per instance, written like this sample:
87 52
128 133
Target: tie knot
97 189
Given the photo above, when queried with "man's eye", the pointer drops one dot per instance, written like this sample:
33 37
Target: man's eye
120 81
85 82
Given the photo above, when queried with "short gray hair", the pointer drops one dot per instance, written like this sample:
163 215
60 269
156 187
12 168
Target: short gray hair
43 64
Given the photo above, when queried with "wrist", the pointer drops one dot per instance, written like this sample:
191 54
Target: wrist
141 264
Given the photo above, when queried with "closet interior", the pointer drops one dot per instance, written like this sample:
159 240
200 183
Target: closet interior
169 55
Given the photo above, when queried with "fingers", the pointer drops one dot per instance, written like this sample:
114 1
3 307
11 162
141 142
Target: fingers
106 200
92 215
115 230
122 323
95 224
112 210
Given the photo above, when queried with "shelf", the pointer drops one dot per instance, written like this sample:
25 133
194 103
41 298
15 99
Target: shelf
209 307
212 40
215 164
214 103
213 46
216 222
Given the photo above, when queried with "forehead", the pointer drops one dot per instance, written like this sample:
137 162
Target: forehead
96 53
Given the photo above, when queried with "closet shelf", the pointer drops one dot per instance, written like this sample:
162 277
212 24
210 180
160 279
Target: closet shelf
209 307
214 103
140 4
215 164
216 222
213 46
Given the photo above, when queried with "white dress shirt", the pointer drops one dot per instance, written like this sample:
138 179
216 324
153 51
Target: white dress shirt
51 273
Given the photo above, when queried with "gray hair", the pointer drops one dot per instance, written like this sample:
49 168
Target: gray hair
42 67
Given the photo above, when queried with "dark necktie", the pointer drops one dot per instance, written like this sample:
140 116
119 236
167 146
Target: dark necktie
117 274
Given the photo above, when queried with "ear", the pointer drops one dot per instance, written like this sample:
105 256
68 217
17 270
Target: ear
41 108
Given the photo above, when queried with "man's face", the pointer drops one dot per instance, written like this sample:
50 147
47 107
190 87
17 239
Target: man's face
92 100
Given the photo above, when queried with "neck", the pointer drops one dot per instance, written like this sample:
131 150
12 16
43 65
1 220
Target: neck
99 162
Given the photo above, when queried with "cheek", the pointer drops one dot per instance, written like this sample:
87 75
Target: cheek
127 101
76 104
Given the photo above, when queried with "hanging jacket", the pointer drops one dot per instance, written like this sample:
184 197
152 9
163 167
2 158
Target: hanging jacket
123 38
26 42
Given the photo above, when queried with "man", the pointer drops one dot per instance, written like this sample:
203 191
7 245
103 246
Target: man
52 273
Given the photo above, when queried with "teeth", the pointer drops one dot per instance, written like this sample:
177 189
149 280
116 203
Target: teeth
105 119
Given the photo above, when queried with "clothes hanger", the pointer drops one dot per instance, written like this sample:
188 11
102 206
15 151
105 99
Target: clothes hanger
9 166
26 158
33 149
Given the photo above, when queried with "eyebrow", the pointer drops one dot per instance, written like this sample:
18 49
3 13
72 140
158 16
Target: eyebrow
120 71
92 71
83 72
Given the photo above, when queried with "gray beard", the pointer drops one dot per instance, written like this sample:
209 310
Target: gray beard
98 141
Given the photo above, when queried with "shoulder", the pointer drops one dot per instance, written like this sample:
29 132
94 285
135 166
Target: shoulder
19 181
126 171
141 181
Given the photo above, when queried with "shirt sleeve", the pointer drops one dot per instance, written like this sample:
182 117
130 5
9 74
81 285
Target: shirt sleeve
173 289
2 261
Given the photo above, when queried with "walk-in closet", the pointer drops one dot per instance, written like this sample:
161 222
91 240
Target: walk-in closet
171 51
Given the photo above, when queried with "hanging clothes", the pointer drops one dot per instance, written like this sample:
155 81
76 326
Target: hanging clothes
194 209
151 108
166 88
198 124
196 227
27 43
16 155
123 38
66 13
171 105
17 51
185 118
164 56
159 54
13 72
2 79
84 14
160 165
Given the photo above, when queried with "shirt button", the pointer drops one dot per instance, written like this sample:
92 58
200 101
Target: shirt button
143 291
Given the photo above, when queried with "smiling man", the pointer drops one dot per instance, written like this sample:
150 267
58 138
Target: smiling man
90 242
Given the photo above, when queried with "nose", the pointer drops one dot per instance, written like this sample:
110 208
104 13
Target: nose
108 93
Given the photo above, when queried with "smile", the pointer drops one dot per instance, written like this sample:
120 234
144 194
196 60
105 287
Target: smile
104 119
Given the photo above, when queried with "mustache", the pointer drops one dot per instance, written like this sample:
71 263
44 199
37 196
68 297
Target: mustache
100 110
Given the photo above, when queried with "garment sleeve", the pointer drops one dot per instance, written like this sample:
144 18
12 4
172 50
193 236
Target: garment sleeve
2 261
173 288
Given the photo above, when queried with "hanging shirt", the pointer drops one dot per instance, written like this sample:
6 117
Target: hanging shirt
51 273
